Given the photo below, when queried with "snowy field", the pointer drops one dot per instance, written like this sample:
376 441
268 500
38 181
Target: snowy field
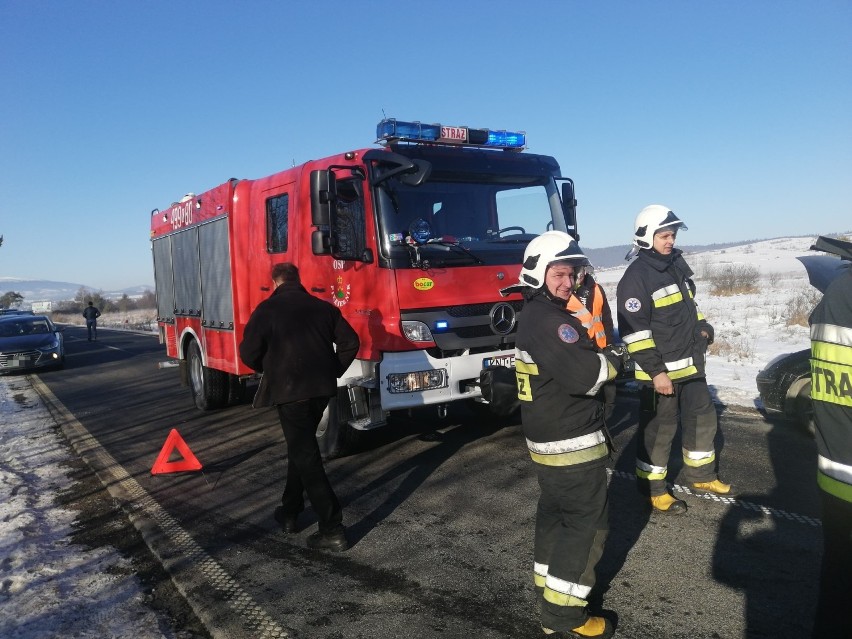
751 329
50 587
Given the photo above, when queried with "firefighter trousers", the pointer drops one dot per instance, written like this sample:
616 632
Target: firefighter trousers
834 612
658 421
570 531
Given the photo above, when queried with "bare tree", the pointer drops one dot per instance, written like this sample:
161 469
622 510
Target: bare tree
10 299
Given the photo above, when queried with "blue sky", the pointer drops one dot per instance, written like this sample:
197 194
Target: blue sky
737 115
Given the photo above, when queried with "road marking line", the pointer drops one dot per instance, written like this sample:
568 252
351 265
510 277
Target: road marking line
769 511
174 547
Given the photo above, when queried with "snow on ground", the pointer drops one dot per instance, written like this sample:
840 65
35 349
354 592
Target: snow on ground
50 587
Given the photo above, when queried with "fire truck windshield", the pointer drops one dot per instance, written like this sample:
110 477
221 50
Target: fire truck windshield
486 218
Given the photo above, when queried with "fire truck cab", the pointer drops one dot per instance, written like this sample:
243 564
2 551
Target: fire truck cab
411 239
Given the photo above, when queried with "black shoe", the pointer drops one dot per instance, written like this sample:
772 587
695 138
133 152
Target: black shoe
288 522
335 542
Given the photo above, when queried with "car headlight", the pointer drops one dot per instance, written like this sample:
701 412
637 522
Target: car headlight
417 332
52 346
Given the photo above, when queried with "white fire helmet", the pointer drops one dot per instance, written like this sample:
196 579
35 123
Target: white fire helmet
650 220
544 250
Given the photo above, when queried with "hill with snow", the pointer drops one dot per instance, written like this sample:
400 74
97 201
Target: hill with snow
50 291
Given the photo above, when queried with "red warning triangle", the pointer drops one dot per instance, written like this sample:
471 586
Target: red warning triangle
163 465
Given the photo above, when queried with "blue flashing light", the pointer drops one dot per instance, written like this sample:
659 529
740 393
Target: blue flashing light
507 139
391 129
442 325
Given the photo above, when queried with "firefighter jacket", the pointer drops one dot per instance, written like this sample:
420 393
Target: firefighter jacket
831 386
589 305
658 319
291 339
559 374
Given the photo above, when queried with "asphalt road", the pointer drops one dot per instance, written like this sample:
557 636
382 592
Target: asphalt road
440 513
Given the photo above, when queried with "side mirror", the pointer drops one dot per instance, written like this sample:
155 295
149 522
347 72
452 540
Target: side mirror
569 208
320 242
323 195
410 172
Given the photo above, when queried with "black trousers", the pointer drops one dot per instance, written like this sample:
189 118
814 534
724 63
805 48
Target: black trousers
658 422
305 471
572 522
834 606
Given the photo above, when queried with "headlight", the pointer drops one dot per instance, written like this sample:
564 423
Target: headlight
417 381
417 332
50 347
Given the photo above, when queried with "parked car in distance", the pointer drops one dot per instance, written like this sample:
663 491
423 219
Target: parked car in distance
29 342
785 384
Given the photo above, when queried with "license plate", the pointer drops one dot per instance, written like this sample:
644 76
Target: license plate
453 134
500 360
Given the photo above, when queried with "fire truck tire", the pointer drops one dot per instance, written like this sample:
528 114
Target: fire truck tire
335 436
209 387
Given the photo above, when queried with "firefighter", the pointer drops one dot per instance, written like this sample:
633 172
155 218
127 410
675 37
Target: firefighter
560 371
667 336
831 392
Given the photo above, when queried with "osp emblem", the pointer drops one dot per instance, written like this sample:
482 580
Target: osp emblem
340 292
503 318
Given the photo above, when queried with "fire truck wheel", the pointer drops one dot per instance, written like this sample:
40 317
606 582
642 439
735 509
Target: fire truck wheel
335 436
209 386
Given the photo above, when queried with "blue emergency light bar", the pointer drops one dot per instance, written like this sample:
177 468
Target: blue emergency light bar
391 129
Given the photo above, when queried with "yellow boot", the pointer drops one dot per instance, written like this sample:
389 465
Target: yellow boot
597 627
668 504
717 487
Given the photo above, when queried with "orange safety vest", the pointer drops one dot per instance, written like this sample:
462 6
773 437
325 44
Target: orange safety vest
592 320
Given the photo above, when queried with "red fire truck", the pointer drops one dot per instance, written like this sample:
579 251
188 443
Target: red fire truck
411 239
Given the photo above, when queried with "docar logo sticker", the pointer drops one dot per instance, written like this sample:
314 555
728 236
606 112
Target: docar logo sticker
423 283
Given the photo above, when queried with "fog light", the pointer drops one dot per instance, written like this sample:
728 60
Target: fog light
417 381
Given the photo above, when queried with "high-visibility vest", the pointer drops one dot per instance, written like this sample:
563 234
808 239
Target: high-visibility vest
592 320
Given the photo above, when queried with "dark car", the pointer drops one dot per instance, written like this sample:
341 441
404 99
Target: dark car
29 342
785 388
14 311
785 384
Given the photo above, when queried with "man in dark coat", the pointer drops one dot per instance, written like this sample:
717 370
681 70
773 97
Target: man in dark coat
91 313
291 339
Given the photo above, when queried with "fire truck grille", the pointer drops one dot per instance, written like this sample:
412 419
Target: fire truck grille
472 328
472 310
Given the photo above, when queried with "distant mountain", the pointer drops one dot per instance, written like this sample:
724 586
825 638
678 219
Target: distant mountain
612 256
49 291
